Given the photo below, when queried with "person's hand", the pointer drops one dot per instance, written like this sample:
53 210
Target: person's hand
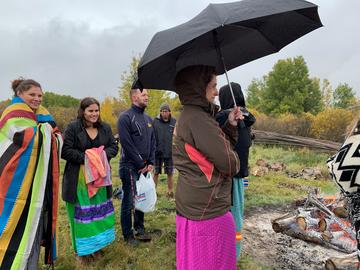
149 168
234 116
143 170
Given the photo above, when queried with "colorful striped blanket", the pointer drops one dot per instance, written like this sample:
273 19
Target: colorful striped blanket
30 146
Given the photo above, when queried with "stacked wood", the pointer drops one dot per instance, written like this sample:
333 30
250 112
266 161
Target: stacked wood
347 262
267 137
304 227
319 225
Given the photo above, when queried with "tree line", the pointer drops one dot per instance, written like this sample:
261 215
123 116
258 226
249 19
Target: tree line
288 88
286 100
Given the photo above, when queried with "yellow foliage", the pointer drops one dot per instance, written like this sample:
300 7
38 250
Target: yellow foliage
287 123
107 113
331 124
63 116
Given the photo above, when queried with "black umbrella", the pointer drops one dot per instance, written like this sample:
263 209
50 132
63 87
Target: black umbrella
225 36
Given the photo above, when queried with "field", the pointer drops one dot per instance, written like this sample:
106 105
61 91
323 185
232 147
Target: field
263 193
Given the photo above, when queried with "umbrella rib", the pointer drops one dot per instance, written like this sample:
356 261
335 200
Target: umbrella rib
212 6
265 36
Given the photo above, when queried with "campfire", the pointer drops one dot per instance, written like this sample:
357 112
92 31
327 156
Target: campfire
323 221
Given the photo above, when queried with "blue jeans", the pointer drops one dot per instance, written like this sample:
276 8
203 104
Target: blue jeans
129 177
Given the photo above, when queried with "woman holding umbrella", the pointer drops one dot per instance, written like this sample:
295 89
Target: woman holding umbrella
206 163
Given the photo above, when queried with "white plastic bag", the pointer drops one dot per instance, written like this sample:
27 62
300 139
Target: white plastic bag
145 198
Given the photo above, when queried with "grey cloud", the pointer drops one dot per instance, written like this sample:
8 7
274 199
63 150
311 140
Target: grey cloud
80 47
72 58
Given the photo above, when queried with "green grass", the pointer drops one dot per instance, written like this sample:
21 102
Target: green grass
270 189
159 254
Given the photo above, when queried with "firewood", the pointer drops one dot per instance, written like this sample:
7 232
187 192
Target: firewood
349 261
293 225
306 221
283 224
266 137
333 219
301 221
341 212
322 224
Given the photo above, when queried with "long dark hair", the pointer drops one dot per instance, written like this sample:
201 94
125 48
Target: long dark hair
84 103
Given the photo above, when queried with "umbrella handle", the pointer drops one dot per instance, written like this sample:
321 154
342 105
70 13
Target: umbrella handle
218 49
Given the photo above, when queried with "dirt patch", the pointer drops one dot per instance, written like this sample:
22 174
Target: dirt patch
277 250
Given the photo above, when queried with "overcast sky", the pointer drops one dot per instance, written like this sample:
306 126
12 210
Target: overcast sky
81 47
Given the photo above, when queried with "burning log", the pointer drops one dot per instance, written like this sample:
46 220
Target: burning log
331 225
284 223
320 227
294 227
331 216
348 262
304 228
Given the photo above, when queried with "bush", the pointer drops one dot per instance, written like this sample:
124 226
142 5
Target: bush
63 116
331 124
290 124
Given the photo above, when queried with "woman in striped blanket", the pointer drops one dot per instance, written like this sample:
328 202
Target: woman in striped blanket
29 178
89 206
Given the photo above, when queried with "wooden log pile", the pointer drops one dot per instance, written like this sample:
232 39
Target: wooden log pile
267 137
346 262
318 224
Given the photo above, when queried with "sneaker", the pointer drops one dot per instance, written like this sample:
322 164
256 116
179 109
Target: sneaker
84 260
170 195
98 254
118 193
131 241
141 235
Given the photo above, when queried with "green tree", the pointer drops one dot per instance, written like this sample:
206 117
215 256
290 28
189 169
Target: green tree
313 102
156 97
344 96
127 79
51 99
288 89
254 93
326 93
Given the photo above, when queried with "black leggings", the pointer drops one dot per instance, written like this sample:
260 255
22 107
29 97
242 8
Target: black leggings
354 212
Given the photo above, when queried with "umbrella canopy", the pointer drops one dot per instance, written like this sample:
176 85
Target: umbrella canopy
237 33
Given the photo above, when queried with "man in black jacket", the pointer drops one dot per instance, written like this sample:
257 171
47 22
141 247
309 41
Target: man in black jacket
164 126
137 141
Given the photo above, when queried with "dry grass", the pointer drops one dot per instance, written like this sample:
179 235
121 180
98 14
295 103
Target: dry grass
159 254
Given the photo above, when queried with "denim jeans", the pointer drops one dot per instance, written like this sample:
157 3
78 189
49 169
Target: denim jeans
129 177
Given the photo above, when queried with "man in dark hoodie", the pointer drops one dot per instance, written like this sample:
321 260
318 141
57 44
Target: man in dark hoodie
164 126
241 147
137 141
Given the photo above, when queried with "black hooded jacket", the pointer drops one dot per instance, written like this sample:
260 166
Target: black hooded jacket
163 135
244 131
